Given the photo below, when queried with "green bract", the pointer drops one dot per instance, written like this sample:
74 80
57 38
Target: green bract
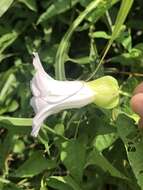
106 91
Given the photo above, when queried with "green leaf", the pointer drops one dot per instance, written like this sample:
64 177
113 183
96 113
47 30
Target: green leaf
80 60
56 8
100 34
58 183
133 58
94 16
73 157
7 87
34 165
31 4
96 158
62 183
133 140
19 146
8 185
59 129
12 106
102 142
126 40
4 5
6 40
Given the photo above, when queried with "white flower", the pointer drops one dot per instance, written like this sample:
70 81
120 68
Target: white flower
51 96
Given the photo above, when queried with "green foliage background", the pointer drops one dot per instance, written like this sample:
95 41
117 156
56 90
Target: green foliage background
85 149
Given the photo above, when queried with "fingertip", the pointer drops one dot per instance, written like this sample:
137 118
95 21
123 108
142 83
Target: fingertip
137 103
138 89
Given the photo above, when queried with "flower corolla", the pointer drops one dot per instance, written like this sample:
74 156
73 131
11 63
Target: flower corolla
51 96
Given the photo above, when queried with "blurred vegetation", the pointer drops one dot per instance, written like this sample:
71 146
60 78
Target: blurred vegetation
85 149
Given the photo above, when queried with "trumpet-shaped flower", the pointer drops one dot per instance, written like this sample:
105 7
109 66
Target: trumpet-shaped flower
51 96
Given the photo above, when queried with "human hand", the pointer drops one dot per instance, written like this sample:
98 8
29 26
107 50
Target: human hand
137 102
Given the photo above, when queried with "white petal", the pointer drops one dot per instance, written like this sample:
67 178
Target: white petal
51 90
65 87
83 97
41 83
34 88
54 91
57 91
38 66
40 117
80 99
37 104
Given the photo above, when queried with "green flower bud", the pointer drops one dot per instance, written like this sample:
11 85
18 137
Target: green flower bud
106 91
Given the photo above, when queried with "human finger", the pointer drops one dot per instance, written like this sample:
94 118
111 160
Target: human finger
137 103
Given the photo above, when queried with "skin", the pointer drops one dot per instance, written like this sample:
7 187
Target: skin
137 102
